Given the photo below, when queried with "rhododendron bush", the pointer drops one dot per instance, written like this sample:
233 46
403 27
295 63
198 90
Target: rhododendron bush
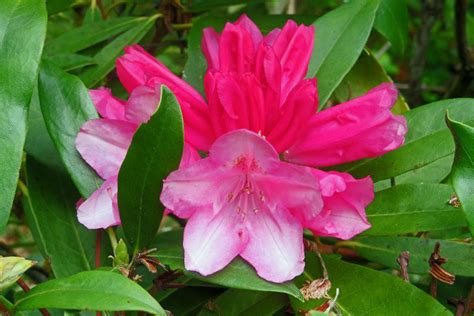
230 158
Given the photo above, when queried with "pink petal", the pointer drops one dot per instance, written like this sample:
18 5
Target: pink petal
251 28
345 199
296 112
275 245
100 209
104 143
242 148
210 47
142 103
212 240
190 155
292 187
294 46
361 128
236 49
195 186
107 105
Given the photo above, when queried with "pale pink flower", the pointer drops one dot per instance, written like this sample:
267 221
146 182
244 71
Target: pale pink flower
242 200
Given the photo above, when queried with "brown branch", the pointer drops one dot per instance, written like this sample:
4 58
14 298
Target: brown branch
431 10
26 288
466 69
403 260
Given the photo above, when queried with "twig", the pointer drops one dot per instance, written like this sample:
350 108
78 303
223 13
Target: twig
26 288
403 260
431 10
466 70
437 272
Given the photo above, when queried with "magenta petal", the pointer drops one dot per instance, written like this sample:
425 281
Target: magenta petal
104 143
142 103
361 128
100 209
345 199
251 28
236 49
107 105
275 245
210 47
212 240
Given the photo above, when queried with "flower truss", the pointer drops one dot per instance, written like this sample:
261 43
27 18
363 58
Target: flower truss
259 186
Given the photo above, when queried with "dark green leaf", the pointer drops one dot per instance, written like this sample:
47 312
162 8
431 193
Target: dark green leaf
409 208
55 6
91 290
204 5
66 106
366 74
90 34
363 291
71 61
386 250
428 151
340 37
392 22
462 175
22 32
155 151
51 215
195 298
240 302
238 274
105 58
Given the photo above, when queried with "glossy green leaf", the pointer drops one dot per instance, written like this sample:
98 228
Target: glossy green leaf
392 22
366 74
240 303
71 61
155 151
238 274
409 208
340 37
363 291
385 250
22 32
91 290
51 215
90 34
427 143
66 106
462 175
105 58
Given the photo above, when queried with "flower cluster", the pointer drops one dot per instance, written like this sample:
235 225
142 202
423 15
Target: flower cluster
259 186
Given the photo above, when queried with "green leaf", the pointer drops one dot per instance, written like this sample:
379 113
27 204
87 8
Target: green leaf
205 5
462 175
238 274
71 61
428 143
240 302
392 22
66 106
195 298
22 32
105 58
155 151
90 34
366 74
51 215
91 290
385 250
363 291
340 37
409 208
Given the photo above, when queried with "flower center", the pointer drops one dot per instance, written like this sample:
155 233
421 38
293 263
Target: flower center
246 198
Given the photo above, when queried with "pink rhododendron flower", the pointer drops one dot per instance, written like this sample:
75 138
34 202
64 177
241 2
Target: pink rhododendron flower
242 200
